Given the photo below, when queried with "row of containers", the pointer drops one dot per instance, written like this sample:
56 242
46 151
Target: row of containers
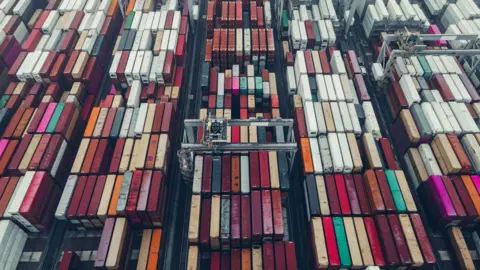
52 70
64 157
239 211
359 205
432 108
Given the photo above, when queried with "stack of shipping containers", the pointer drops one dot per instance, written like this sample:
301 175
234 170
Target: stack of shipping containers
239 214
53 61
119 180
360 209
90 97
432 110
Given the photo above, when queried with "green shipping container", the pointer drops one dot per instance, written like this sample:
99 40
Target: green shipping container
4 101
258 86
342 243
314 98
55 118
128 22
427 72
285 21
396 192
243 86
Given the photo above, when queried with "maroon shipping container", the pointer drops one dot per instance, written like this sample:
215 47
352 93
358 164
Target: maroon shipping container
385 190
440 83
399 238
361 88
156 199
143 198
254 170
387 240
264 170
352 195
207 174
95 201
309 63
332 195
256 215
277 215
235 226
246 220
226 175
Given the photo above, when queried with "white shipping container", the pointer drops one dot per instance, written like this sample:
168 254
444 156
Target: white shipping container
146 41
371 124
338 87
310 120
316 13
325 154
292 86
432 64
336 62
244 177
416 65
350 94
221 84
324 9
461 88
337 117
67 194
357 129
323 33
133 100
332 38
331 10
432 118
294 33
335 154
115 63
322 128
436 95
50 22
442 118
447 64
453 88
172 44
400 67
451 118
407 9
394 10
316 159
303 13
165 40
304 88
464 117
197 175
303 35
163 18
146 65
300 66
322 93
142 115
409 90
330 88
429 160
439 64
129 68
347 123
344 148
381 9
